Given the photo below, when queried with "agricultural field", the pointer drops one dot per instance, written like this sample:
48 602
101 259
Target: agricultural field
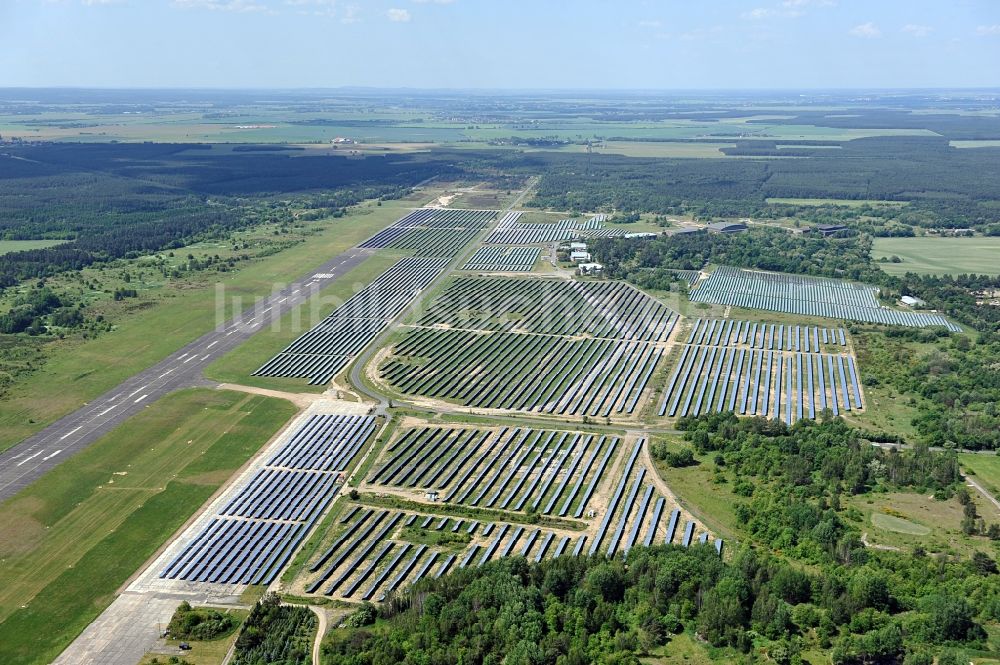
939 256
550 346
70 540
330 345
772 370
370 551
808 296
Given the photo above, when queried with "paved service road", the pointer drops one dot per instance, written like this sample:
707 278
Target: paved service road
27 461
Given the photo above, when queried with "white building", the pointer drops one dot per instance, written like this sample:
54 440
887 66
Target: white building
590 269
578 256
578 247
910 301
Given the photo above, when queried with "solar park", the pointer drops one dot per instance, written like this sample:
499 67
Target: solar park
536 345
255 532
806 296
771 370
483 342
510 231
330 345
433 231
371 552
503 259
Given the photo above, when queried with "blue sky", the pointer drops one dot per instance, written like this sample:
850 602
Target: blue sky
669 44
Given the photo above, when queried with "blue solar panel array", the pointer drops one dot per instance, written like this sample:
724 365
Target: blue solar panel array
252 537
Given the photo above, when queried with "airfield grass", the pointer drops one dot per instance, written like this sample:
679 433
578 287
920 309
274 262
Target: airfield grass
984 468
238 365
8 246
939 256
77 370
71 539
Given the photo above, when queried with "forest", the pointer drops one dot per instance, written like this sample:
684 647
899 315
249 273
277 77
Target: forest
120 200
860 605
946 187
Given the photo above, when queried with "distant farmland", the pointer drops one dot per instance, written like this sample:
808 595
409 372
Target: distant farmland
939 256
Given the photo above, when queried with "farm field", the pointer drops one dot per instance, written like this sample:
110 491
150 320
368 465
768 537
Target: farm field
774 370
72 538
939 256
370 551
811 296
31 403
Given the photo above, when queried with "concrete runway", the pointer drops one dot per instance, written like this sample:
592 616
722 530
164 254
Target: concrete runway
30 459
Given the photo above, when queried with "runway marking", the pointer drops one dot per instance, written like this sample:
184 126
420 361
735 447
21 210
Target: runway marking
70 432
264 311
283 299
141 389
52 455
230 333
115 397
185 362
28 459
206 356
167 372
140 399
114 406
211 345
181 356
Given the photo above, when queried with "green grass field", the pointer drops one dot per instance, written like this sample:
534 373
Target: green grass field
83 369
898 524
8 246
939 256
70 540
986 470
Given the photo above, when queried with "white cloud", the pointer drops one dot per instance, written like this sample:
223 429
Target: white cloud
757 13
917 30
807 3
988 30
867 30
398 15
352 14
221 5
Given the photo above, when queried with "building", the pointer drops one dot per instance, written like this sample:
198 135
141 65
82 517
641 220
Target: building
577 256
640 235
431 495
578 247
829 229
590 269
910 301
727 227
